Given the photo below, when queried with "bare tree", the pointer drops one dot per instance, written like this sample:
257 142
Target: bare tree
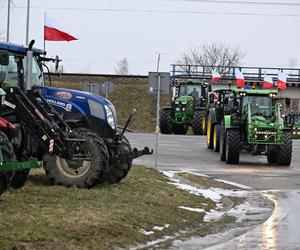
212 55
122 67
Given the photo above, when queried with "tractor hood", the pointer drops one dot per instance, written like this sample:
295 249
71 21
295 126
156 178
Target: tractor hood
83 103
263 131
183 100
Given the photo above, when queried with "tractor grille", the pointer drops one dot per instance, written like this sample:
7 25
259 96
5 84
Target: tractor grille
265 137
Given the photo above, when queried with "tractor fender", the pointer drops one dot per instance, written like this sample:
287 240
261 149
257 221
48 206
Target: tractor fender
166 108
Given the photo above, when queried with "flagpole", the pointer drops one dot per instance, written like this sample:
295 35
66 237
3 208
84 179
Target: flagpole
44 31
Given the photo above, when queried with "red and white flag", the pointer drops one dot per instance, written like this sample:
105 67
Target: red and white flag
53 31
281 80
240 81
215 76
268 82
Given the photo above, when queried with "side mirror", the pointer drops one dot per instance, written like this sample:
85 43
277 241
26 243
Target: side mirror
4 57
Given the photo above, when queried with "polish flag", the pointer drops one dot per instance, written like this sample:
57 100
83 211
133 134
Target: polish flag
53 31
268 82
215 76
281 80
240 81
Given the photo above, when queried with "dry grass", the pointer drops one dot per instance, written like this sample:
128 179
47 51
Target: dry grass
40 216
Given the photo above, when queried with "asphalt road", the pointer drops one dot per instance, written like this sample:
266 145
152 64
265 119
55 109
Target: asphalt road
281 184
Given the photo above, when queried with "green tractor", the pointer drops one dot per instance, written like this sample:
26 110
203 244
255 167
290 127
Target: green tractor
255 124
218 106
293 120
187 109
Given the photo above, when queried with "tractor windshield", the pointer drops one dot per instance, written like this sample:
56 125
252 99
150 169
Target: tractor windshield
11 72
297 119
192 90
259 105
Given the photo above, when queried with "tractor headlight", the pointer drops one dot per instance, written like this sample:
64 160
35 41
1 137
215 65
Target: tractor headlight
183 109
110 117
177 109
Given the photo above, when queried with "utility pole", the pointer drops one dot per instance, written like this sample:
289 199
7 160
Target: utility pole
8 20
157 115
27 23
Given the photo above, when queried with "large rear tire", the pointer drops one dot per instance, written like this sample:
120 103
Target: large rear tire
8 155
204 124
284 156
233 146
165 124
197 122
82 174
121 166
209 133
222 143
216 138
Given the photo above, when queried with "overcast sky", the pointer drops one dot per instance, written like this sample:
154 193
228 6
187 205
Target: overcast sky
109 30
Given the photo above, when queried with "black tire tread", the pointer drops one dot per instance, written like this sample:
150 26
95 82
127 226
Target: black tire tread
284 156
165 125
197 122
233 145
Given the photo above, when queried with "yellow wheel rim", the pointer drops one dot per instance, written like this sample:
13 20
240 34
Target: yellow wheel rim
215 138
203 123
208 130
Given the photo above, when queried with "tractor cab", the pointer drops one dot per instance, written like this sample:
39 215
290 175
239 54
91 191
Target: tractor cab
194 89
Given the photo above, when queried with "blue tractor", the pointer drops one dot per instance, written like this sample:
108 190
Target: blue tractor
74 132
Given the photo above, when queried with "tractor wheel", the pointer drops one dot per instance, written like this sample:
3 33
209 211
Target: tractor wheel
233 146
209 133
222 143
120 167
284 156
197 122
8 155
179 129
216 138
20 178
272 157
204 124
165 124
83 173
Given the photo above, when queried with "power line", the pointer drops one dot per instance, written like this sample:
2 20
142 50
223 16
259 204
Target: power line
247 2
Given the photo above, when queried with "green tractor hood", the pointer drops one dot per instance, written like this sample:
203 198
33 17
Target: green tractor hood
183 107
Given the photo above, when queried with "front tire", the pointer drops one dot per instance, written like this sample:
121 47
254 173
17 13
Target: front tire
197 122
284 157
222 143
165 124
233 146
272 157
8 155
121 166
82 174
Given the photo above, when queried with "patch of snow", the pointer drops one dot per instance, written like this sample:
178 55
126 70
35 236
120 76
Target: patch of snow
207 193
143 231
198 210
195 173
212 215
167 225
158 228
234 184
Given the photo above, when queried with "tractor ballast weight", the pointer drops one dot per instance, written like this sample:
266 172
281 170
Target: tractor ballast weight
186 109
255 124
75 151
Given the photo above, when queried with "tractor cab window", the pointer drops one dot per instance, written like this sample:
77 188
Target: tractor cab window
9 73
37 73
192 90
259 105
297 119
